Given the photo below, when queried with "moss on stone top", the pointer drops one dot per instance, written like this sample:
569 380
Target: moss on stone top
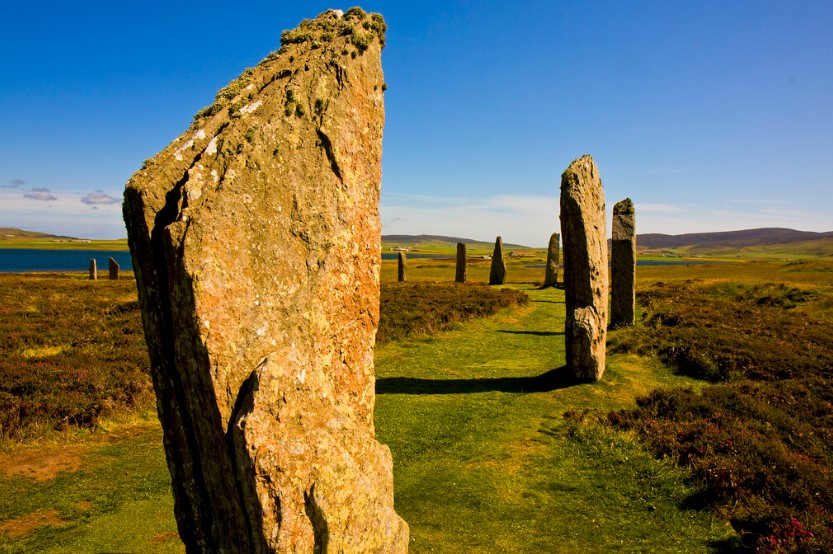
624 207
361 27
348 33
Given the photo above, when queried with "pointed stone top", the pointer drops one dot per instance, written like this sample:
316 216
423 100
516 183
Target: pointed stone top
624 220
583 168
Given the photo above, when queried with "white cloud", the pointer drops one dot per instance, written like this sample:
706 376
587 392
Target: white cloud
63 214
527 220
41 194
99 197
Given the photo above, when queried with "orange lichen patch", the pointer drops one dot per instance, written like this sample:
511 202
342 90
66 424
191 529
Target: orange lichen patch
164 537
84 505
42 464
26 524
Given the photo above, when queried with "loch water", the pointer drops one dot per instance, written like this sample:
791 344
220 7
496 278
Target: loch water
19 260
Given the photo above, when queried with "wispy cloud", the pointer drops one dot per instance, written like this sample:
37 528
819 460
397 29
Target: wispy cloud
62 215
528 220
14 184
40 193
652 208
99 197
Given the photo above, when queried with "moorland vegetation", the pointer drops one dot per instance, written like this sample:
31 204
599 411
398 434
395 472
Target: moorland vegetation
715 409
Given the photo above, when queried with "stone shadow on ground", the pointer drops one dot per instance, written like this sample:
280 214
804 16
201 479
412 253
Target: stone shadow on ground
535 333
551 380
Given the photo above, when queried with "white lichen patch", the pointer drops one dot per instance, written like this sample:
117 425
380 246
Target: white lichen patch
199 135
181 149
249 108
211 149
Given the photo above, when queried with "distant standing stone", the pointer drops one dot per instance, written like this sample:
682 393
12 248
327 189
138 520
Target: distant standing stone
585 268
623 264
461 263
114 269
497 275
93 270
402 274
553 253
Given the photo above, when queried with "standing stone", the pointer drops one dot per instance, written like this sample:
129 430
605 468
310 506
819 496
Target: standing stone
256 243
114 269
553 253
402 273
585 268
623 264
93 270
460 277
497 274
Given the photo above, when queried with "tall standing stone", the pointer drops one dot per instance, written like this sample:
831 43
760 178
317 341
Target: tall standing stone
402 268
460 276
256 244
497 274
113 268
623 264
585 268
553 253
93 270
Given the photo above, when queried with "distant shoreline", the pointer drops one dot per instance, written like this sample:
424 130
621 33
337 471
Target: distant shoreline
52 244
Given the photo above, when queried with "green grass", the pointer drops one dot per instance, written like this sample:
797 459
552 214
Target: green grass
483 458
118 501
42 243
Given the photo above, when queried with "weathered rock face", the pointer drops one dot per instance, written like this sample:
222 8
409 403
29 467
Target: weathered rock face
402 268
497 274
460 276
623 264
553 253
256 244
585 268
113 268
93 269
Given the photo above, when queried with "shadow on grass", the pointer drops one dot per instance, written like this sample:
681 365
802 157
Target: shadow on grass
536 333
551 380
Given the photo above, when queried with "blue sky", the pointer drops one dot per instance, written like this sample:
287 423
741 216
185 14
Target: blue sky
710 115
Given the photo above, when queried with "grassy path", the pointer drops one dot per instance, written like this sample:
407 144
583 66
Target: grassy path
485 462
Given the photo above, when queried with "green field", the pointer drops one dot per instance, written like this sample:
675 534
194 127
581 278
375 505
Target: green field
494 449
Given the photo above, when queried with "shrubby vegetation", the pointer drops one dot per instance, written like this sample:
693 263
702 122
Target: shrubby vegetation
760 441
421 309
73 350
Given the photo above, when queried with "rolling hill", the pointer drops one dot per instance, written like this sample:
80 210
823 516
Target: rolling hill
434 241
765 241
